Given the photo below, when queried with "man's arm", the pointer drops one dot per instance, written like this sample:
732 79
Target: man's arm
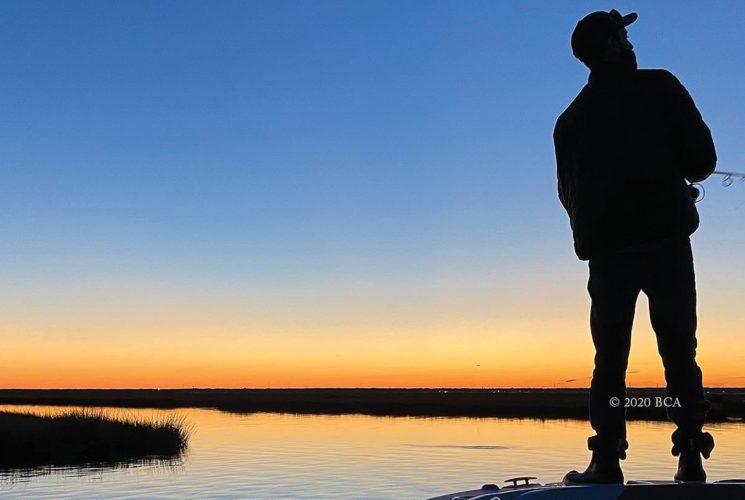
561 168
692 136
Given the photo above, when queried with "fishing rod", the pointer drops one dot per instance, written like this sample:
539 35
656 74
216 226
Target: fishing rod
698 192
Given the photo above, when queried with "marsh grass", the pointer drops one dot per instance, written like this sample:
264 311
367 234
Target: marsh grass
86 437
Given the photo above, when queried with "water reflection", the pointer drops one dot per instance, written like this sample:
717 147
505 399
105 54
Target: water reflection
465 447
166 465
264 455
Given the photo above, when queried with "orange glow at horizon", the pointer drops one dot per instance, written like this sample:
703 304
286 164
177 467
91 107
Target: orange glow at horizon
473 340
480 359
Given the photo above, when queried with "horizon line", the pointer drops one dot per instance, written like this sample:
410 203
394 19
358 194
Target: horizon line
195 388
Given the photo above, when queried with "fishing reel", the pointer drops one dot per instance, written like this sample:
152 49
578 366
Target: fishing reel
697 190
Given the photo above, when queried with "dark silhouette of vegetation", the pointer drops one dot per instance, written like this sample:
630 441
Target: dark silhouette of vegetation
86 437
727 404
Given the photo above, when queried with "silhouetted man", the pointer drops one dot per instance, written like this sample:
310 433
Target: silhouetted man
624 149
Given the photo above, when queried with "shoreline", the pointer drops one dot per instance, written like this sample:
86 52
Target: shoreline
727 404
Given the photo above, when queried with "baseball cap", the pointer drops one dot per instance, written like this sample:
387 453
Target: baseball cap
591 32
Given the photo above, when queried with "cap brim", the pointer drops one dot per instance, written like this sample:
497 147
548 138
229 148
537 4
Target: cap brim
629 18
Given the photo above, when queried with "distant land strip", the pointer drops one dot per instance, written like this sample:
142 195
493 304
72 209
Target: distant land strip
727 404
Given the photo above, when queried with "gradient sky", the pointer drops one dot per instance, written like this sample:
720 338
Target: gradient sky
299 194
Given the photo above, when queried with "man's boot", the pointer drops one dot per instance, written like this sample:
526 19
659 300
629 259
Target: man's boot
691 448
604 466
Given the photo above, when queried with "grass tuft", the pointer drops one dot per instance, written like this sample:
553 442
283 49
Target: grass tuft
88 436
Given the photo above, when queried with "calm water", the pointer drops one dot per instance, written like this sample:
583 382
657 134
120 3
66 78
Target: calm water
267 455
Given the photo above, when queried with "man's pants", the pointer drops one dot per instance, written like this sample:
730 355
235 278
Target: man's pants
663 269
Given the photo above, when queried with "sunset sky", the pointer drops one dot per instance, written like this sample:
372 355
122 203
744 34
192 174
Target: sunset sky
326 194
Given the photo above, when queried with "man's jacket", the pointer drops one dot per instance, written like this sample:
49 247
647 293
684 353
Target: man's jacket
624 149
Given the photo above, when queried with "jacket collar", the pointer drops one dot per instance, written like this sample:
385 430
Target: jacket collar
611 73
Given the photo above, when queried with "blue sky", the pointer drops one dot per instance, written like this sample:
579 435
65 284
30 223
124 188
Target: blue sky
295 148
